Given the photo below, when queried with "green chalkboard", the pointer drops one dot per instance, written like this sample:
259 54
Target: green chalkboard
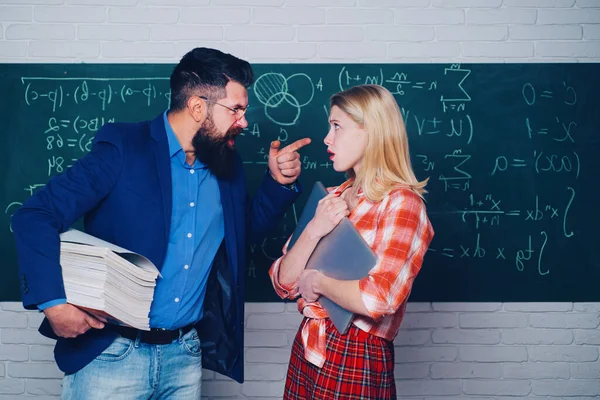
512 152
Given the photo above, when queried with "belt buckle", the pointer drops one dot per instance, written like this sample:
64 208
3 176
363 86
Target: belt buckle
158 336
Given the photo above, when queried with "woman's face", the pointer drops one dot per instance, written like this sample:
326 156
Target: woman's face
346 141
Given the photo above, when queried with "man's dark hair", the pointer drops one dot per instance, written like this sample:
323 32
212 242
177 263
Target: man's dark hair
205 72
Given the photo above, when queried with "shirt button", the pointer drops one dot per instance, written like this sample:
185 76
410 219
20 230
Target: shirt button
192 204
186 266
189 235
191 171
176 299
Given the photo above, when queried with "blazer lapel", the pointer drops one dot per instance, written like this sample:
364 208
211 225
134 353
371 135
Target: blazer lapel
163 166
230 232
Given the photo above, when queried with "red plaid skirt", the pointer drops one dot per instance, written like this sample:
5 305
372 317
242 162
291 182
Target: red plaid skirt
358 365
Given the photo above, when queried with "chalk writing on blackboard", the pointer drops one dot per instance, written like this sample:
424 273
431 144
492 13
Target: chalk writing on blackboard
505 161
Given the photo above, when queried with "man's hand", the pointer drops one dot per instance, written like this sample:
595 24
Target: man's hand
285 164
68 321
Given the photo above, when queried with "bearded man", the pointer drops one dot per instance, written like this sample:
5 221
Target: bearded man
172 189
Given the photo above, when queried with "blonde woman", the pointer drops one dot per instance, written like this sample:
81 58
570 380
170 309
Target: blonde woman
384 200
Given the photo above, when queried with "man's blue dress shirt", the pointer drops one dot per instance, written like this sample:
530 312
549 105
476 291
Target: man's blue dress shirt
197 230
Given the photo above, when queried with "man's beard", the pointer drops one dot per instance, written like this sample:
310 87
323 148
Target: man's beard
213 151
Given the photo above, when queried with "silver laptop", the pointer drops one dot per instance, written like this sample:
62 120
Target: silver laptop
342 254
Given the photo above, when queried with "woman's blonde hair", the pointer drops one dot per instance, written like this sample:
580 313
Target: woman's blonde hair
386 164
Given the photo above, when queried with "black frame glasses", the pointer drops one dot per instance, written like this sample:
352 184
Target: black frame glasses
239 112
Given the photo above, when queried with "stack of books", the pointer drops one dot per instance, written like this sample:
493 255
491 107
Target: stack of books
107 281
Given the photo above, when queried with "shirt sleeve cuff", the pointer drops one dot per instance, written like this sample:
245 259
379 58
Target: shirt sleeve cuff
51 303
283 291
292 187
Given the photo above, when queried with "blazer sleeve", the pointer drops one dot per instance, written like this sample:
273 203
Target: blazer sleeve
268 206
54 208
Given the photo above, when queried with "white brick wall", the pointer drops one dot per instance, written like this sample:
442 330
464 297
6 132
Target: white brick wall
444 350
301 30
459 350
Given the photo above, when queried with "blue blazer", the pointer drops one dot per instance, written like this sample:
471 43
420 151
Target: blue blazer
122 188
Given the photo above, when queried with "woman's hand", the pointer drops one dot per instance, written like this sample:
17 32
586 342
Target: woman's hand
307 283
330 211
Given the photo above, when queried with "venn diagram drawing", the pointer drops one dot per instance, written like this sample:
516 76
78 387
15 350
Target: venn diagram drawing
283 98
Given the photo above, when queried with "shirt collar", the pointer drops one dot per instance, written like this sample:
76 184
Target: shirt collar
174 145
346 185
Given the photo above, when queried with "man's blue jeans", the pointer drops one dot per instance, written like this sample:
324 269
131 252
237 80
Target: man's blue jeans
129 369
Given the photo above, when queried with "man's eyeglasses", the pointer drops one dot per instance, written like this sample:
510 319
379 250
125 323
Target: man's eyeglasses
237 111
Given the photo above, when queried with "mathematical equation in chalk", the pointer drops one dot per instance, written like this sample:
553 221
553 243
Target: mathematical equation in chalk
529 255
61 93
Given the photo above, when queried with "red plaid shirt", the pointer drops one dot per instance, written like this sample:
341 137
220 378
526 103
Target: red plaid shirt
399 232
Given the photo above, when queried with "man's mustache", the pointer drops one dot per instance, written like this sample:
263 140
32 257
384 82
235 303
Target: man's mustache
233 133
